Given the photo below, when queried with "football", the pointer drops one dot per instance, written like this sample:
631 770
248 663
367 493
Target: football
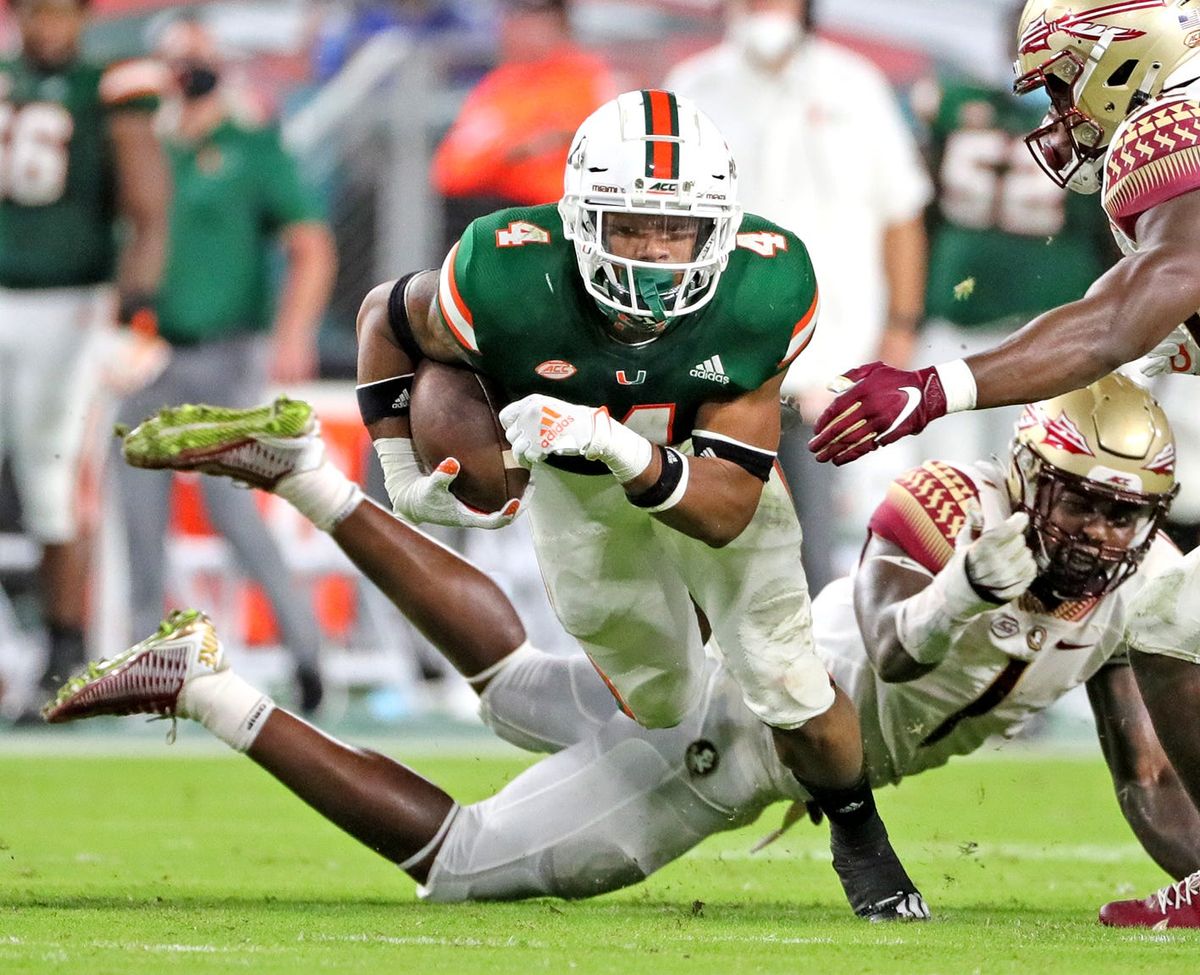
453 414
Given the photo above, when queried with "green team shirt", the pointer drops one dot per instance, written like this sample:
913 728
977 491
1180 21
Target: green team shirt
511 293
234 192
1027 245
57 186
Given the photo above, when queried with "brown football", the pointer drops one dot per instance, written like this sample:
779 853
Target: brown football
453 414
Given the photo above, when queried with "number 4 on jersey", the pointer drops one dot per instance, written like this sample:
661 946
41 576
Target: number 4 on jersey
763 244
519 233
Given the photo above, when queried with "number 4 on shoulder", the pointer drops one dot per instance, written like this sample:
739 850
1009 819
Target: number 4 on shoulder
763 243
519 233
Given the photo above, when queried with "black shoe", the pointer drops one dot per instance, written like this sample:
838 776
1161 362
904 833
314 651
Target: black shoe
310 688
876 883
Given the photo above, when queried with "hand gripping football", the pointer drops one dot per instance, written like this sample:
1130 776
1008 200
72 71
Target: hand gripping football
453 414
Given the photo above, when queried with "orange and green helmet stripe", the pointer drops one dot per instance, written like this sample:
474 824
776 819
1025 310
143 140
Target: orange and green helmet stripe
662 119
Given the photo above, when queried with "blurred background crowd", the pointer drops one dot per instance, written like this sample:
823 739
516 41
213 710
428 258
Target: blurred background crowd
313 148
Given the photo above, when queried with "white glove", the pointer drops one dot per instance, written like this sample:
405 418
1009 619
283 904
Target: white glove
998 564
420 498
1177 353
988 569
541 426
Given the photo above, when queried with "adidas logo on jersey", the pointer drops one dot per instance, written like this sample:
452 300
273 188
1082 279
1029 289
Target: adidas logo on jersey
553 423
710 369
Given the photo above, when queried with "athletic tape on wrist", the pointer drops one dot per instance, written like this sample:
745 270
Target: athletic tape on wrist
958 383
384 398
928 621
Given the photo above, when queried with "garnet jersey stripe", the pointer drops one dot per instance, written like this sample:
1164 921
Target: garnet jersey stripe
454 309
1155 157
662 120
924 511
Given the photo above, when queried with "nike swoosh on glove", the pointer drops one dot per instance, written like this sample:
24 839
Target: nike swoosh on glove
883 404
1178 353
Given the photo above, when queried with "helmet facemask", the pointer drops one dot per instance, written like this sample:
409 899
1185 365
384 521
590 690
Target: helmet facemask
641 297
650 203
1073 564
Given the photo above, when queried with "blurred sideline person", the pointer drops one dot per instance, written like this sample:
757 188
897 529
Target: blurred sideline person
237 195
616 801
83 202
1115 74
996 227
823 149
508 146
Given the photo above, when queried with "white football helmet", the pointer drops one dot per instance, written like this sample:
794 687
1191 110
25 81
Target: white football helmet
1099 61
650 153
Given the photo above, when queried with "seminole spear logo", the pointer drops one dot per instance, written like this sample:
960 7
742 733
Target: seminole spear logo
1082 25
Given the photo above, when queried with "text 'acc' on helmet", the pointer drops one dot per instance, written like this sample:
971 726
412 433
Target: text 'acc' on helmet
1104 456
650 202
1099 62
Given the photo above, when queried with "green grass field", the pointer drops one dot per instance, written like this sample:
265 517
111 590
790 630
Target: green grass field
203 864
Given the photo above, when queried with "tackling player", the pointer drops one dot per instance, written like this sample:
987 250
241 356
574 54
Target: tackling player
617 801
79 159
643 312
1124 83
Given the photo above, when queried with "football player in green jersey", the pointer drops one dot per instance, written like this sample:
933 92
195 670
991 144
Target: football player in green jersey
639 332
80 163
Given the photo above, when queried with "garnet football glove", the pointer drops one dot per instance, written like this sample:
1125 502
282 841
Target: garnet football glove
421 499
1177 353
885 404
541 426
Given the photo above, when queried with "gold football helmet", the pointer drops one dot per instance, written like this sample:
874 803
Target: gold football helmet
1102 457
1098 60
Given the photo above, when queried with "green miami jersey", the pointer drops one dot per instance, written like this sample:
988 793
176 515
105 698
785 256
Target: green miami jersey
57 174
511 293
1005 241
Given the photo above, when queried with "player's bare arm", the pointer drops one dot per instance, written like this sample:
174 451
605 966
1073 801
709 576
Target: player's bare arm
887 577
1149 792
721 496
143 195
1125 314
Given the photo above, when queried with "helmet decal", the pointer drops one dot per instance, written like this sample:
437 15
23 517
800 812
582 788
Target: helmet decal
1081 25
662 134
1061 432
1163 462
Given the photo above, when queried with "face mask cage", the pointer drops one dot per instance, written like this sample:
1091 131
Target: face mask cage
642 297
1067 146
1071 565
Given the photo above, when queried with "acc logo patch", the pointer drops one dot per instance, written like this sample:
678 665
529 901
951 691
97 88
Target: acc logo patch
701 757
555 369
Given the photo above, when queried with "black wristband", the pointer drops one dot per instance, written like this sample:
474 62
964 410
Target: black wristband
753 460
397 313
669 476
384 398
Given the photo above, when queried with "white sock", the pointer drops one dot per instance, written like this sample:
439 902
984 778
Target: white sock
227 706
324 495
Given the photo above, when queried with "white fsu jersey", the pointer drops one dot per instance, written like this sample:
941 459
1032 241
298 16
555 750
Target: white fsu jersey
1004 667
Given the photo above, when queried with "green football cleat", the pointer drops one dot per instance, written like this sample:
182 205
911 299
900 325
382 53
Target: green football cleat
258 446
148 677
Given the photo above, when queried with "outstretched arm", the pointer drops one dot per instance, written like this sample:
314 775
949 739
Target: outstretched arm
1150 794
1128 311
